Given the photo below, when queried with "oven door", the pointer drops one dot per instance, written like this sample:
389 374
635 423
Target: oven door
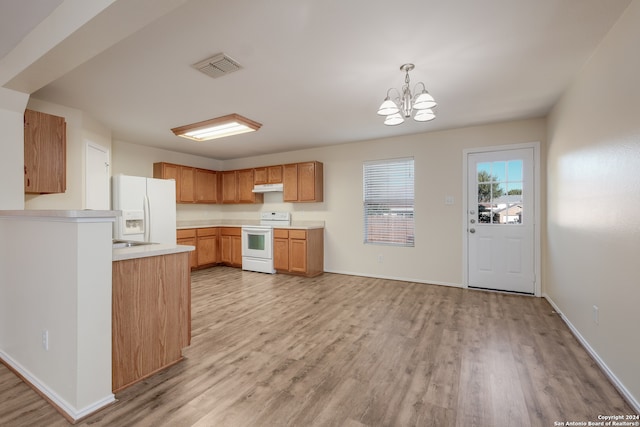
257 242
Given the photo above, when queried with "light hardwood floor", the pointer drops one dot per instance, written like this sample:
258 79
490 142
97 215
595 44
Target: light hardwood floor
340 350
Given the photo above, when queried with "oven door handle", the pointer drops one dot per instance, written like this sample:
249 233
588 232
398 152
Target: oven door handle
256 230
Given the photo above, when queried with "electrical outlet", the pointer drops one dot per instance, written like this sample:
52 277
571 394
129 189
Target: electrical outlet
596 315
380 259
45 340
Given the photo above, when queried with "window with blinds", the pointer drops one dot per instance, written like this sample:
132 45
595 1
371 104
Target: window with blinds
388 202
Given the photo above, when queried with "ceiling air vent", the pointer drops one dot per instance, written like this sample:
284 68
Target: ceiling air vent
217 66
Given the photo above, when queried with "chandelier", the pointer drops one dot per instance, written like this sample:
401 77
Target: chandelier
404 104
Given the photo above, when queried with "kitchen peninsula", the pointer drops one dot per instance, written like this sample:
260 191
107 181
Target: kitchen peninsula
56 270
151 310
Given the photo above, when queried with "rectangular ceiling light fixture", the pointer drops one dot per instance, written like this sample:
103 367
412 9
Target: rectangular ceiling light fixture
232 124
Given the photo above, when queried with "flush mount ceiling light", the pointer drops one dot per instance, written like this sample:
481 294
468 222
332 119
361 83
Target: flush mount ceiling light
232 124
404 104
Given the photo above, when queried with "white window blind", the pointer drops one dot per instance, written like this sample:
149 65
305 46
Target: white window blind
388 202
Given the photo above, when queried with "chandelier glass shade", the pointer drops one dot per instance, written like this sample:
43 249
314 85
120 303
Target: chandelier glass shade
405 104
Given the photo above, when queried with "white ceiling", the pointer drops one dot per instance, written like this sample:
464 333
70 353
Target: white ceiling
315 72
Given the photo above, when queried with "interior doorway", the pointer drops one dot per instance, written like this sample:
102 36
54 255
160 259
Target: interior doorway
97 190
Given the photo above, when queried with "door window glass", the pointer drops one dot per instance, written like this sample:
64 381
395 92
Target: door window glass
500 187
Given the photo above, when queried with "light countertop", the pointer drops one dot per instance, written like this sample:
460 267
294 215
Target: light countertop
303 225
86 215
143 251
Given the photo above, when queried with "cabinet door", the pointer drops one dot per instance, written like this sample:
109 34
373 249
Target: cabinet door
225 250
187 184
206 188
207 245
274 174
281 254
236 251
193 255
310 182
245 186
260 176
290 183
298 255
45 153
207 250
229 191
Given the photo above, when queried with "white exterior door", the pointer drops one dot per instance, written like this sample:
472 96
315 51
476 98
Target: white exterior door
501 220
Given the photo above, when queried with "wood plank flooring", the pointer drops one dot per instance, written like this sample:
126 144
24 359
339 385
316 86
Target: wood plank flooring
336 350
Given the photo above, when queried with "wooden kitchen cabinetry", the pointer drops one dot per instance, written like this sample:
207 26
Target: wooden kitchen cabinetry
206 186
193 185
267 175
188 237
151 309
45 153
231 246
298 251
207 246
237 186
303 182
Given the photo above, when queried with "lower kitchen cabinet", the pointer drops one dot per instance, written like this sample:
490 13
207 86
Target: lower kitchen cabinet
231 246
151 312
188 237
298 251
207 244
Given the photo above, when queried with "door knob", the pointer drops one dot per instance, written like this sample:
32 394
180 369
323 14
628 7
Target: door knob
472 230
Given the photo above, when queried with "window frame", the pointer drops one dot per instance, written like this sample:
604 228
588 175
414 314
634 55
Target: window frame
391 203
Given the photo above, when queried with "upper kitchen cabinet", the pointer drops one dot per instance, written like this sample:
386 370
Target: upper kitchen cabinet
45 153
237 187
303 182
186 183
193 185
267 175
206 186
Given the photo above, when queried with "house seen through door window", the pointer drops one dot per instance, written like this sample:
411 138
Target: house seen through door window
500 192
388 202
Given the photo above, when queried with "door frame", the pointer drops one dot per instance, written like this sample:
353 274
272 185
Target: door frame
88 145
537 253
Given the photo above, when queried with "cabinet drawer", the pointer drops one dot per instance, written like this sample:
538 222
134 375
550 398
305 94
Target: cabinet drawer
279 233
186 233
297 234
207 232
230 231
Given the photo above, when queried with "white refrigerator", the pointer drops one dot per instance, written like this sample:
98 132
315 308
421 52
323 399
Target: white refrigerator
148 208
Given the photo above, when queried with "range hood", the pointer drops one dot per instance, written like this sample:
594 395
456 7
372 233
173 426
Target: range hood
267 188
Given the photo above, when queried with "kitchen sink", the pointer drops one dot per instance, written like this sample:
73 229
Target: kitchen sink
119 244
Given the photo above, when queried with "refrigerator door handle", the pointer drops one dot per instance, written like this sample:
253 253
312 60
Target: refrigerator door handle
147 220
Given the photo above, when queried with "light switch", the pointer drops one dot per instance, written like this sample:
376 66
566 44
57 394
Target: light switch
448 200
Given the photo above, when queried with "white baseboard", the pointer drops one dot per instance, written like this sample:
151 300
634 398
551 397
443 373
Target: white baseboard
401 279
69 411
631 400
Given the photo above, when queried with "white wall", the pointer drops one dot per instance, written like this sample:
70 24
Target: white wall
81 128
55 276
594 202
437 255
12 106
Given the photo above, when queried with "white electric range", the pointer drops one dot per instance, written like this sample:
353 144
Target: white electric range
257 241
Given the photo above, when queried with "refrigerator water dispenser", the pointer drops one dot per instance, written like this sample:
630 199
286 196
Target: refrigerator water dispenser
133 222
